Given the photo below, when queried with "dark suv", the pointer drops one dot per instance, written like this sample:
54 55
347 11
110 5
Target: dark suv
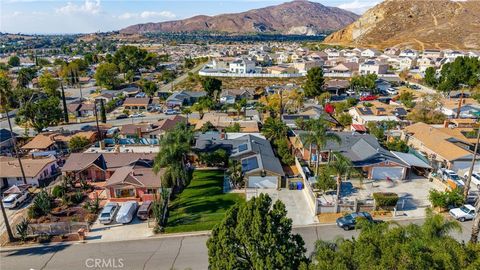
349 221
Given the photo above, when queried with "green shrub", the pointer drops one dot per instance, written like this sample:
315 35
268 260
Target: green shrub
22 229
77 197
385 199
58 191
41 206
445 199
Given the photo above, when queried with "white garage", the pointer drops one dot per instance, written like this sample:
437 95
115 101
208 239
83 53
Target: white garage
394 173
263 182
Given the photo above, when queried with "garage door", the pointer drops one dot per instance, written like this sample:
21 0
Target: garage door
262 182
382 173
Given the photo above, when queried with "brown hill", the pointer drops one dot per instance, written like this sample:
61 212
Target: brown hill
297 17
415 24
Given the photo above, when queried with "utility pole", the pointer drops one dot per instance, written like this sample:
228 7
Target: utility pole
65 110
96 120
17 153
7 224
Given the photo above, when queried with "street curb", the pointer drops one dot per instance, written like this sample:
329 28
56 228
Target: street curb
159 236
173 235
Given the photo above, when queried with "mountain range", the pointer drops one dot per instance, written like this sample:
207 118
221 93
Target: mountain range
434 24
296 17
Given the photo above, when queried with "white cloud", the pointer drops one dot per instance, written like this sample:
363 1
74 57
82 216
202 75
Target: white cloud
89 7
148 15
358 6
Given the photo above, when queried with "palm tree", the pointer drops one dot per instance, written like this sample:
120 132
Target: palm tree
476 224
237 177
174 147
319 136
341 166
274 129
5 92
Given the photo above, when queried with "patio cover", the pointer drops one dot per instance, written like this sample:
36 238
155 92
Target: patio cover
411 160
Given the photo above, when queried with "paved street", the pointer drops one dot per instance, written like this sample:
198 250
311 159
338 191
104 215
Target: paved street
177 252
168 87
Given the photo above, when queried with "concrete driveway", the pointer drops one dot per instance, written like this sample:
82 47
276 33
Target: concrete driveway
118 232
295 202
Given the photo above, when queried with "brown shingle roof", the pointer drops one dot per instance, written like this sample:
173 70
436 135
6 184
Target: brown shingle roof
9 167
436 140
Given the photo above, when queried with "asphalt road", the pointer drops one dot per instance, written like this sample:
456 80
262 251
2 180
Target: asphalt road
177 252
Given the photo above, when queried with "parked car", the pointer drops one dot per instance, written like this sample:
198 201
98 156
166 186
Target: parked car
171 112
392 91
126 212
144 210
368 98
121 116
15 199
451 175
350 92
108 212
466 212
137 115
475 178
349 221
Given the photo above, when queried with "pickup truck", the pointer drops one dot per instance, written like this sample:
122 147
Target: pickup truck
475 178
14 199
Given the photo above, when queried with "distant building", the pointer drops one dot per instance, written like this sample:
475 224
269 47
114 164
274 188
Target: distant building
373 67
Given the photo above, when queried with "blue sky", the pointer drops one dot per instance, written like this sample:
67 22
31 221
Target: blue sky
86 16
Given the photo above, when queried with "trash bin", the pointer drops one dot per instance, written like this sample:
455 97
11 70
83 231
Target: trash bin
299 185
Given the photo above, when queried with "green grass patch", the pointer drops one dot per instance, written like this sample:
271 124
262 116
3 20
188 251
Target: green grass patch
202 204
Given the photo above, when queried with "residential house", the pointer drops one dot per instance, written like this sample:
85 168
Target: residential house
184 98
407 63
261 167
377 112
54 143
106 97
370 53
304 66
444 147
242 66
281 69
229 96
137 104
151 131
409 53
363 150
424 63
38 171
135 181
81 109
100 166
337 86
429 53
221 121
469 108
373 67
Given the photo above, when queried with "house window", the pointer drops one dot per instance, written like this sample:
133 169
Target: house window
151 191
124 193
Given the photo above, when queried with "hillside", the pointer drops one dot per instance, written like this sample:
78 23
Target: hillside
297 17
415 24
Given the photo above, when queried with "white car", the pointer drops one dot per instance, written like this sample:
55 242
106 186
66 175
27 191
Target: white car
392 91
127 212
108 212
466 212
15 199
475 178
136 115
449 174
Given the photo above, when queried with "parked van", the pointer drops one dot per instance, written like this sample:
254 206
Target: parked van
127 212
144 210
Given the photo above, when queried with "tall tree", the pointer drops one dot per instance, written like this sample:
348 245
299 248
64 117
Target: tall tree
236 176
383 246
49 84
318 135
342 167
314 85
106 75
430 77
103 112
14 61
212 86
40 114
255 235
5 92
274 129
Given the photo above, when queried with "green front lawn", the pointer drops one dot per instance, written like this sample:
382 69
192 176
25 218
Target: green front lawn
202 204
